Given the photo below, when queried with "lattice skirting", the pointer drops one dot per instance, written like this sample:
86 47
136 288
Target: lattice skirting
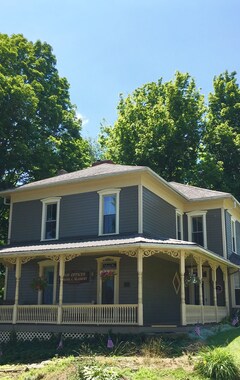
30 335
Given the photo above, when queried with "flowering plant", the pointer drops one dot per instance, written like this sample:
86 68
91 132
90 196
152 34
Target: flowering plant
107 273
192 278
39 283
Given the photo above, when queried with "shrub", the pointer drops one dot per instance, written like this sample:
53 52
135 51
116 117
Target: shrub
95 371
156 347
217 364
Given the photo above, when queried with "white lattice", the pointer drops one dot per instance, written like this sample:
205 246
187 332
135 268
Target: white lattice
4 336
30 335
40 335
77 335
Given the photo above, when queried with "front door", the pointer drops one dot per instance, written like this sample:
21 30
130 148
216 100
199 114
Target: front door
48 291
108 290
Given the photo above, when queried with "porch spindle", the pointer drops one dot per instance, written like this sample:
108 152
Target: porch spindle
140 287
182 274
61 275
17 276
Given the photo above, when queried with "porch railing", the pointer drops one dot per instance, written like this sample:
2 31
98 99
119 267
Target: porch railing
37 313
6 313
71 314
205 314
100 314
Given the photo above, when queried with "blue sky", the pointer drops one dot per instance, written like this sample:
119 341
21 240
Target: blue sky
108 47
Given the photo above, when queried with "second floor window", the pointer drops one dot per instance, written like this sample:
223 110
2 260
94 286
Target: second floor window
50 219
233 233
179 225
197 228
109 212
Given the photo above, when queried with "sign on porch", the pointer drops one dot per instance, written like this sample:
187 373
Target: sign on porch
75 277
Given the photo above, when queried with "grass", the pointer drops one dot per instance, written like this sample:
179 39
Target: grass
168 357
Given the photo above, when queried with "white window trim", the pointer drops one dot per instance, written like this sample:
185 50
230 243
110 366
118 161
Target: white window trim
193 214
233 234
99 279
179 213
45 203
102 193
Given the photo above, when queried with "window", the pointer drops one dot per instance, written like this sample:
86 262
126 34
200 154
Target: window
50 219
233 235
236 289
197 231
108 280
109 212
179 225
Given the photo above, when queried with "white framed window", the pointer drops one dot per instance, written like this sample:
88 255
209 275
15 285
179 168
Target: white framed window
197 227
50 218
179 225
236 289
233 235
109 211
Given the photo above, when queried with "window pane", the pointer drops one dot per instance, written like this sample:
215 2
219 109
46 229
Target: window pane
237 296
179 227
50 230
197 229
52 211
109 214
237 280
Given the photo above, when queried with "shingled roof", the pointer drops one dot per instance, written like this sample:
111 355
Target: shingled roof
197 193
100 170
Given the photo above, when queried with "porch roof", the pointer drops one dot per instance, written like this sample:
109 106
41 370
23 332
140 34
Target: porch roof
108 244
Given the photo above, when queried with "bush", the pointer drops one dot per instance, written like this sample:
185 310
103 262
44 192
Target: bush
95 371
156 347
217 364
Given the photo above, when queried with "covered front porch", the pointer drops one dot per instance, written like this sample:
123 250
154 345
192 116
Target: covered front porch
127 285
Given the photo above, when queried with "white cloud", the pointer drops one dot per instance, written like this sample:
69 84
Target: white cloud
84 119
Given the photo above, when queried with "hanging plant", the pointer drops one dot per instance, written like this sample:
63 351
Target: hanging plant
106 274
191 279
39 283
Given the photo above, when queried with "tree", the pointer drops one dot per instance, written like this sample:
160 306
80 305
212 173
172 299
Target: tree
39 129
159 125
221 154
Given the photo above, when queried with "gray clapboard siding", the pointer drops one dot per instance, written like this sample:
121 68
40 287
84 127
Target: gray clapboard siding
228 233
26 221
161 303
128 210
214 231
159 217
128 281
79 215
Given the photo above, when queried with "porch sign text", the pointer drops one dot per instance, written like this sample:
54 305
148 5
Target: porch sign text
75 277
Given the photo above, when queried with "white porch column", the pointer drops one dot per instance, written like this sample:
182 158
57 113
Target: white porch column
214 280
17 276
140 286
61 276
200 276
225 279
182 274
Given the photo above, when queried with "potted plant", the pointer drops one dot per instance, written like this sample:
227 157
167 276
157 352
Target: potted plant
192 278
105 274
39 283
